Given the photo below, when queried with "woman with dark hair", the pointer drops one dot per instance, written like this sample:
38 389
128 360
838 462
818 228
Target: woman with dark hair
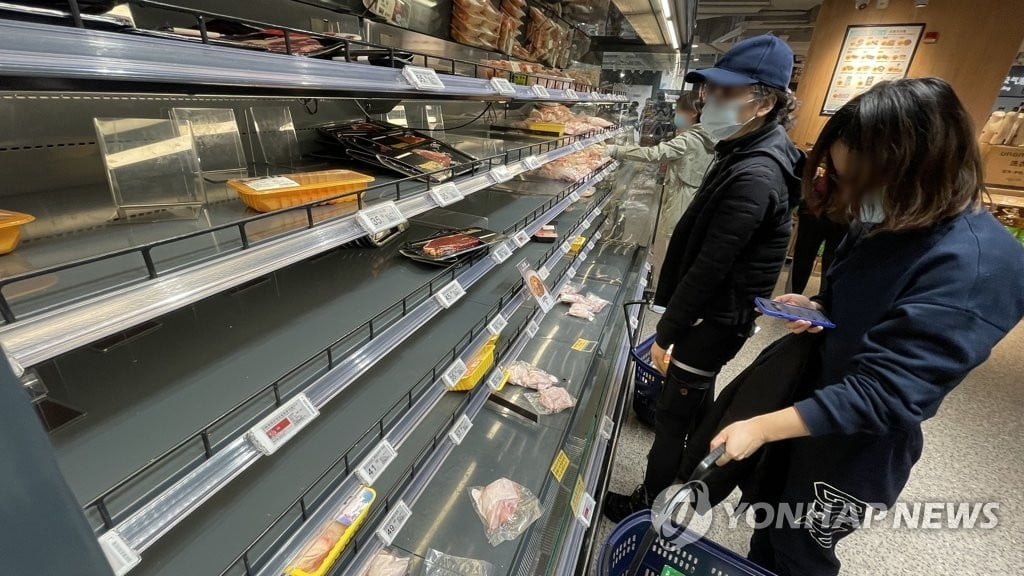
687 155
817 225
925 285
727 249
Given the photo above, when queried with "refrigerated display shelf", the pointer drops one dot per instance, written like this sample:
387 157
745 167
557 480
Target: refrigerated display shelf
49 334
42 56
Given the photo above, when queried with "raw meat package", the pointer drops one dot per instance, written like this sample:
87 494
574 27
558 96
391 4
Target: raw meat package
524 374
448 246
551 401
318 556
506 509
440 564
547 234
581 310
570 294
386 563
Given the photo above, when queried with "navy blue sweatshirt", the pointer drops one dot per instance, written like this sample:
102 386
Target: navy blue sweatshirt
915 313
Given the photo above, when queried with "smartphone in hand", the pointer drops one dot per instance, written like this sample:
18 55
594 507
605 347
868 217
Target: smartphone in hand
792 313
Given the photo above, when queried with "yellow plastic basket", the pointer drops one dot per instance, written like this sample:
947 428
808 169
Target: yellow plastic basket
577 244
478 367
328 562
10 229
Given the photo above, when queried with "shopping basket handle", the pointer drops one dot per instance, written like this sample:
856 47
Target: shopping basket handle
629 328
683 496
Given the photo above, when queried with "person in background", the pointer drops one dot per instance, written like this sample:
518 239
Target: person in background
727 249
922 289
688 156
817 224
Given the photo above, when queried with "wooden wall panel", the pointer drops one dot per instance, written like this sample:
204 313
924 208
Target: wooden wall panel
978 42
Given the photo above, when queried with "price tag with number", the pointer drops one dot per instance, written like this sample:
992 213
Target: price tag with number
590 245
543 272
394 522
501 252
374 465
578 145
607 427
531 329
571 94
454 373
566 247
521 239
540 91
586 223
586 510
547 302
572 271
451 293
120 555
596 212
503 87
574 197
381 217
422 78
643 281
460 429
282 424
500 174
496 379
532 162
497 325
445 194
583 256
597 235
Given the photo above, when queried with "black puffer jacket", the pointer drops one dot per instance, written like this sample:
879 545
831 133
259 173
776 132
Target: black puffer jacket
730 244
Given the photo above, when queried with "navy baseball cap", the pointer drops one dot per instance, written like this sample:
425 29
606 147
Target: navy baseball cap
758 60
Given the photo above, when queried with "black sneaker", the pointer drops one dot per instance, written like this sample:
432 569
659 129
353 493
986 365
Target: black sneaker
618 506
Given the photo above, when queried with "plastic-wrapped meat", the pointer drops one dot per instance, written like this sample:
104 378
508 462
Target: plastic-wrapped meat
448 245
385 563
315 552
570 295
581 310
595 303
574 127
439 157
595 121
551 401
497 502
525 375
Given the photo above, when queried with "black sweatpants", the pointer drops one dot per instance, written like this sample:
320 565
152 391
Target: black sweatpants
687 395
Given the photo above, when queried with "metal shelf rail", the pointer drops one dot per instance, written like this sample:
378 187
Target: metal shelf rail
45 56
404 429
149 521
51 333
423 471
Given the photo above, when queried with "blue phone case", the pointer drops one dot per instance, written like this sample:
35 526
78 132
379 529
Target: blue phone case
793 313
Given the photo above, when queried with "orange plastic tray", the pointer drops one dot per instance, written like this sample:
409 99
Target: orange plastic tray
277 192
10 229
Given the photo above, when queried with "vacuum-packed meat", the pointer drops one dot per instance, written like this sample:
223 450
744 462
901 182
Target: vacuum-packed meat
506 509
551 400
448 245
524 374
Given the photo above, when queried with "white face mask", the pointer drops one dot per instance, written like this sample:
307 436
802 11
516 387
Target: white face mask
872 211
721 120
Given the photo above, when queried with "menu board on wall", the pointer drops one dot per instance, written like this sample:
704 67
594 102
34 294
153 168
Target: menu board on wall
871 54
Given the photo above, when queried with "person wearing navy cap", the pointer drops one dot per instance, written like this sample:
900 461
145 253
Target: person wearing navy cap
727 248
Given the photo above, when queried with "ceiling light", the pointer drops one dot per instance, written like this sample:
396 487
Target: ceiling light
920 3
696 46
672 34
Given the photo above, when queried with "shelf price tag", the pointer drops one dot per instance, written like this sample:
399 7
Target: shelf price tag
596 212
282 425
572 270
543 272
460 429
500 174
422 78
497 325
394 522
586 510
586 223
503 86
598 235
560 465
583 256
531 329
575 196
495 379
577 495
607 427
521 238
121 556
540 91
451 293
590 245
578 145
501 252
454 373
643 281
378 460
566 247
531 162
381 217
571 94
633 322
445 194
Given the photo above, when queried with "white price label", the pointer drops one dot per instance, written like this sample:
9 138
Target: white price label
643 281
272 183
547 302
596 212
454 373
495 379
633 322
543 272
450 294
120 555
607 427
381 217
586 96
586 223
501 252
282 424
566 247
574 197
586 510
571 94
531 329
590 245
445 194
503 87
374 465
500 174
540 91
578 145
422 78
497 325
572 270
583 256
598 235
521 238
532 162
394 522
459 430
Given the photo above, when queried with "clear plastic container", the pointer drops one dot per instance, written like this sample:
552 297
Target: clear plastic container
216 138
278 192
10 229
275 133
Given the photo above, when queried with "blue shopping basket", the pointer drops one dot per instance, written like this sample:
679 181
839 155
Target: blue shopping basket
647 381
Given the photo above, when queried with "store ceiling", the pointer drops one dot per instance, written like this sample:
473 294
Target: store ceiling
721 23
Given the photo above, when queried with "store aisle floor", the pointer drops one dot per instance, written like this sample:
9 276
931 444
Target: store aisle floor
973 453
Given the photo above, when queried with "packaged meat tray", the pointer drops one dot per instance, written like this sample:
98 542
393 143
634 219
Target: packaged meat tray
278 192
448 247
10 229
396 148
318 556
506 509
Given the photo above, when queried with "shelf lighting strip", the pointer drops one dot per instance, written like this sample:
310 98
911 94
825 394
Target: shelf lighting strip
148 524
67 328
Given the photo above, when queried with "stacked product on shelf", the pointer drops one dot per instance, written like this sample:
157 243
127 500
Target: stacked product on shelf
574 167
477 23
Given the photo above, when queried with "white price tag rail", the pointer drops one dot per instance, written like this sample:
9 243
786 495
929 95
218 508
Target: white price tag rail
394 522
376 462
586 513
497 325
454 373
540 91
381 217
571 94
607 427
445 194
543 272
531 329
578 145
531 162
422 78
451 293
503 87
459 430
495 379
547 302
575 196
521 239
572 271
500 174
501 252
121 556
565 247
282 424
